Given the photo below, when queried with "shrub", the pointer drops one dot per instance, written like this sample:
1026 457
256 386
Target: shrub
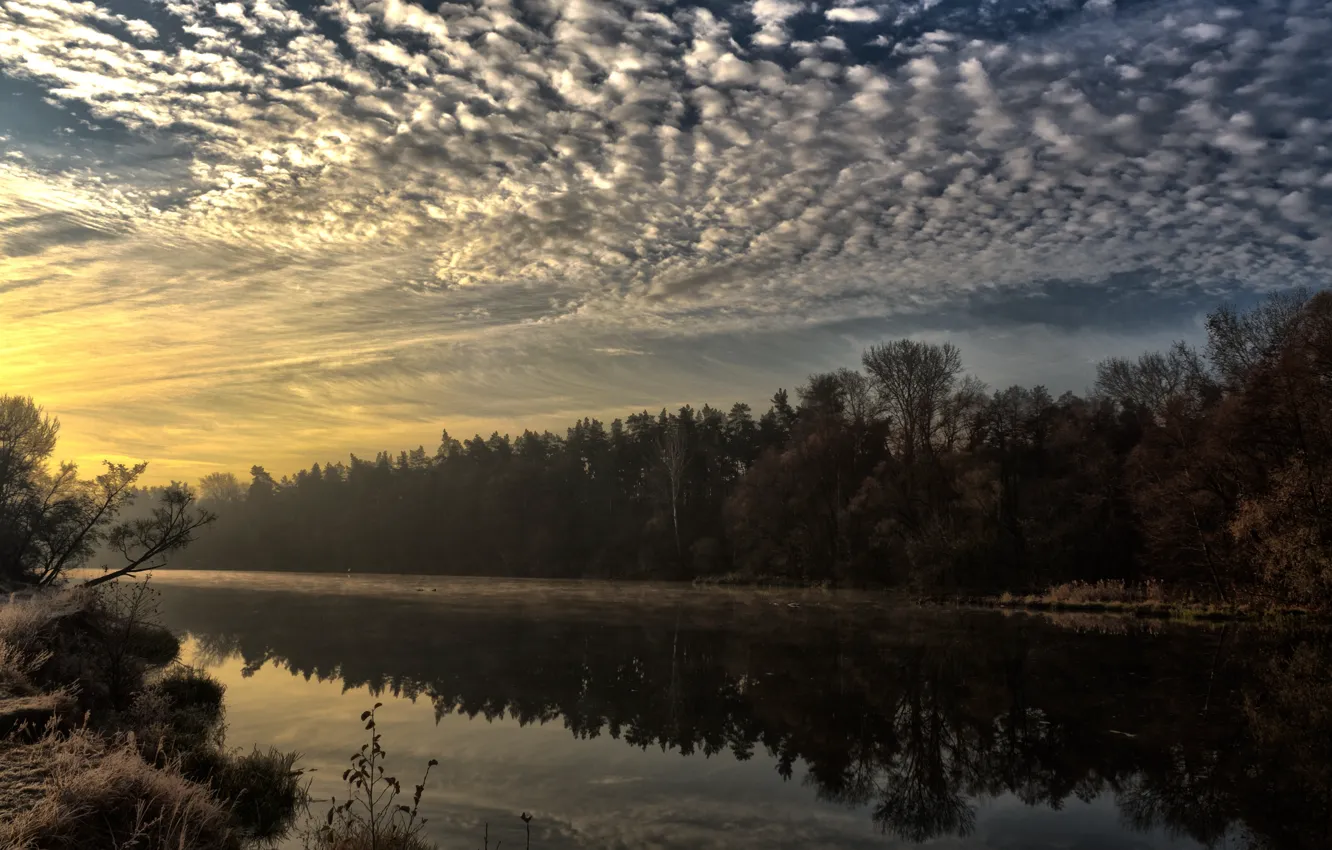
169 731
370 817
131 641
191 688
150 773
263 790
152 644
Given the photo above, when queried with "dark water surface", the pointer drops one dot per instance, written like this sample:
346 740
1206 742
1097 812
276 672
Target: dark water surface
649 716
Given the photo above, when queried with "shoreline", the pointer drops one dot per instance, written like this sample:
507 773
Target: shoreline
1155 606
1182 612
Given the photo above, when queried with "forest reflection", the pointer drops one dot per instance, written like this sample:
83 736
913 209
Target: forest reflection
1221 735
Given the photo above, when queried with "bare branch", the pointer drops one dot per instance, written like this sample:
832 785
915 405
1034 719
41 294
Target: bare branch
145 543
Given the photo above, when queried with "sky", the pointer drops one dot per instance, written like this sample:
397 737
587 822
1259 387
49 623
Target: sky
266 232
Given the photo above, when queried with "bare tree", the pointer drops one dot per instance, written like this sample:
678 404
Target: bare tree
1155 380
861 403
145 543
674 452
961 413
1239 341
914 380
72 519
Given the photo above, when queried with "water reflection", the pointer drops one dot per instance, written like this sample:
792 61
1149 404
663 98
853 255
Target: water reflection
918 721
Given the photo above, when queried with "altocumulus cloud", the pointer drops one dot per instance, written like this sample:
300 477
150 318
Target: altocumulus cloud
294 211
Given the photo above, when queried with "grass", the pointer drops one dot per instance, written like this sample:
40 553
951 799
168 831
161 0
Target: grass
26 708
24 769
1147 600
17 668
743 579
27 716
147 769
96 795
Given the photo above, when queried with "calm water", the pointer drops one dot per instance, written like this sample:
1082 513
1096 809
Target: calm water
661 717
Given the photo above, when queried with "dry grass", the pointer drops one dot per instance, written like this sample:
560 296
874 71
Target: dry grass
99 796
1147 600
148 770
1099 595
24 769
16 670
24 707
28 716
26 622
29 630
1105 623
1081 592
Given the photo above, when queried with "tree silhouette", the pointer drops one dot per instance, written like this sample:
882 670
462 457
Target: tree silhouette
51 521
1205 468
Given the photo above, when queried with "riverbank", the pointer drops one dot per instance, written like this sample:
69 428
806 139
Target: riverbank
1150 600
105 741
736 579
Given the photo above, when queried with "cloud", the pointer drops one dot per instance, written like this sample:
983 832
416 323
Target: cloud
360 197
852 15
1205 32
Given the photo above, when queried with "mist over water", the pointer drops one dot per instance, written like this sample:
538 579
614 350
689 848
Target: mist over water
656 716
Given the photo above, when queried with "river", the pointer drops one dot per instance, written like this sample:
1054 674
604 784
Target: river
660 716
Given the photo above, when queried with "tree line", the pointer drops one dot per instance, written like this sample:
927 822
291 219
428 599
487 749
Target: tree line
1205 468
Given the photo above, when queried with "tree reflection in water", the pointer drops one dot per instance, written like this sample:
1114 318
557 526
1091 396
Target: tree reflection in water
1213 734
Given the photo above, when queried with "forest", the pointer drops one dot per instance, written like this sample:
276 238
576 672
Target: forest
1204 469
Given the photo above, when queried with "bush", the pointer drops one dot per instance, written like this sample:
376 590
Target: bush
99 645
193 689
369 818
178 719
262 789
152 644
